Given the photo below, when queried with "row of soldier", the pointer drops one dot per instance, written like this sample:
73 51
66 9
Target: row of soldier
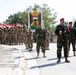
20 35
12 36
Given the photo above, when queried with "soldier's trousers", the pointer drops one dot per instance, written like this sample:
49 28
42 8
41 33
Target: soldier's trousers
61 44
47 43
40 44
30 44
73 44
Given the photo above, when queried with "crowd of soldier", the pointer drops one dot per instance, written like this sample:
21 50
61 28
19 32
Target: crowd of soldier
22 35
12 36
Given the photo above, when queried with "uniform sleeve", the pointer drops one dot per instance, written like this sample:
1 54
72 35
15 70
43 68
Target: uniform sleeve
57 31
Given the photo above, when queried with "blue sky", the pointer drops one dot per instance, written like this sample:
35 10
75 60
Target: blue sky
64 8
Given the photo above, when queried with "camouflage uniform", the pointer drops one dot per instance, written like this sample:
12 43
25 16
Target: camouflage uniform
34 37
19 35
40 40
51 35
47 40
4 36
14 36
72 37
62 42
9 37
26 39
1 36
30 40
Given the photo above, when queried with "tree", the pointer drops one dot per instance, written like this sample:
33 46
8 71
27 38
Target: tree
66 23
20 17
49 16
74 24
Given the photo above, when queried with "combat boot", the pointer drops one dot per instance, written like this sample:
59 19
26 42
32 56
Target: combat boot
30 49
67 61
44 55
58 60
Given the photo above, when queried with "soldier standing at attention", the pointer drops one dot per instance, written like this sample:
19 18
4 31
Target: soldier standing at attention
62 41
30 40
72 37
47 40
40 40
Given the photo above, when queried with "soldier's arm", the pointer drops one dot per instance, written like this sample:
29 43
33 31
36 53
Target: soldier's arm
57 31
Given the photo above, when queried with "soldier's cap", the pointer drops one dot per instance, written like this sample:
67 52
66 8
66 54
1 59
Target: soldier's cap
70 22
62 19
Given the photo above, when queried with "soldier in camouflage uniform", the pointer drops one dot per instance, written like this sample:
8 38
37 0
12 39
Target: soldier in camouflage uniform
10 36
19 35
62 41
72 37
40 40
7 35
47 40
1 36
51 35
30 39
14 36
26 39
4 35
24 34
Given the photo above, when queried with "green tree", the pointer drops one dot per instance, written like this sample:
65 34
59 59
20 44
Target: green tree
66 23
20 17
49 16
74 24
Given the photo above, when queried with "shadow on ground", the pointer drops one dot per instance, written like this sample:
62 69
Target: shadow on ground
46 65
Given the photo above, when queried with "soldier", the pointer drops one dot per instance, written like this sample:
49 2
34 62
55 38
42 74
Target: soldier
40 40
62 40
30 39
7 32
10 36
1 35
18 35
72 37
51 35
26 38
47 40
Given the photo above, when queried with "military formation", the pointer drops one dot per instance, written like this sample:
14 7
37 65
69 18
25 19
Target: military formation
11 35
22 35
19 35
